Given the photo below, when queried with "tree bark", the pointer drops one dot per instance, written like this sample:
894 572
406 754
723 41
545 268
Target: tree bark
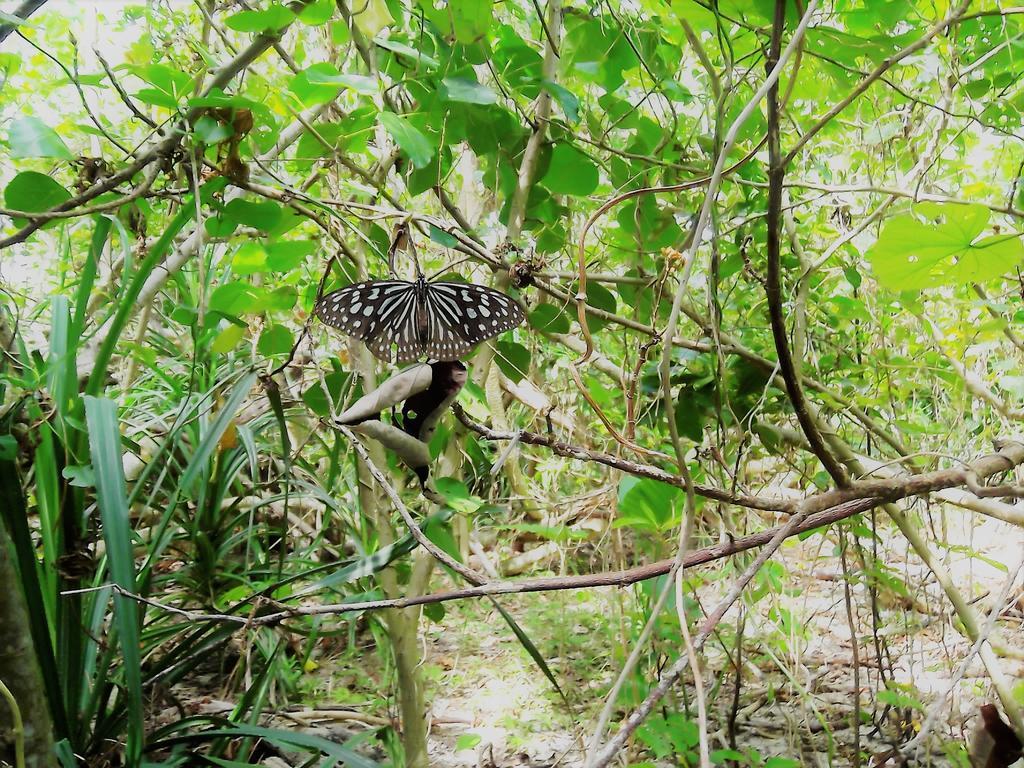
19 673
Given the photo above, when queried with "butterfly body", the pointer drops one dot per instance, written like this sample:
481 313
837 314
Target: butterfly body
403 321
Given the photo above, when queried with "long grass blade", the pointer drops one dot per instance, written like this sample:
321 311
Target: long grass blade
216 430
105 448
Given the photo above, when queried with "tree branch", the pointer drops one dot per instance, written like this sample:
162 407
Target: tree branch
23 11
773 282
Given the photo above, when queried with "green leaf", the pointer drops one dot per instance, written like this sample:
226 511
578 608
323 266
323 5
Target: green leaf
339 752
232 298
157 98
373 17
317 13
404 50
646 504
601 298
80 476
548 318
275 340
911 254
409 138
467 741
457 495
31 137
364 84
8 447
441 237
227 339
468 91
312 93
513 359
264 215
249 259
272 19
210 131
286 256
467 21
570 172
112 500
566 99
211 437
32 192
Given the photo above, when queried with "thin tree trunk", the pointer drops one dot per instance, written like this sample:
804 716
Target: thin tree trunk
19 674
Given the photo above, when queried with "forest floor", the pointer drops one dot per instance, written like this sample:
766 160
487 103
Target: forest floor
796 697
491 706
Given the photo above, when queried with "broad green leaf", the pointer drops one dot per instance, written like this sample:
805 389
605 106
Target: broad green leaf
249 259
31 191
232 298
275 340
373 17
646 504
291 738
911 254
157 98
469 91
570 172
272 19
217 98
601 298
409 138
466 21
467 741
227 339
340 33
287 255
441 237
547 318
31 137
80 476
513 359
210 131
317 13
565 98
364 84
264 215
321 91
457 495
404 50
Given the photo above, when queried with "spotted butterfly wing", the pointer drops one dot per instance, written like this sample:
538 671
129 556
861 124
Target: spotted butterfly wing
467 314
380 313
404 321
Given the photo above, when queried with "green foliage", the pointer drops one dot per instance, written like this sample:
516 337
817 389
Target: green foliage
31 137
944 249
165 393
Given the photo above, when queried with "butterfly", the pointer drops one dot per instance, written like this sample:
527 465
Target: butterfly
403 321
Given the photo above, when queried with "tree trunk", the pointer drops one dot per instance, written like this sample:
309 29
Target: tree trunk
19 674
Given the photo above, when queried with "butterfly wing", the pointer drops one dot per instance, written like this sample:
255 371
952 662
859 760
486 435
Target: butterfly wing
465 315
381 313
444 342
